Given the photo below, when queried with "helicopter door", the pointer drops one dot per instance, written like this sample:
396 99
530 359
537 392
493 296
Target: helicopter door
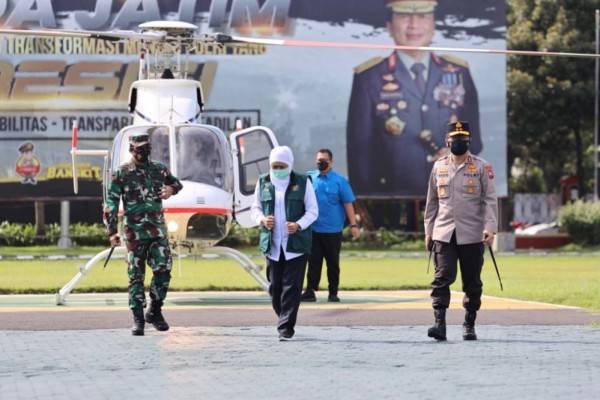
251 149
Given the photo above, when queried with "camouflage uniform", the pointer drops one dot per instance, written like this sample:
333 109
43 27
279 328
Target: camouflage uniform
144 226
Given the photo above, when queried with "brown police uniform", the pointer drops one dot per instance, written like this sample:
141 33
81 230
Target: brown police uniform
461 204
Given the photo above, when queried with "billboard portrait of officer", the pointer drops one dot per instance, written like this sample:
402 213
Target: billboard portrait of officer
400 106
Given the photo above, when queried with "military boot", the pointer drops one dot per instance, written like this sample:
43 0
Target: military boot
154 316
469 326
138 322
438 330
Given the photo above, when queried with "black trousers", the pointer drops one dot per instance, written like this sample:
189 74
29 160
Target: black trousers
286 277
328 246
470 257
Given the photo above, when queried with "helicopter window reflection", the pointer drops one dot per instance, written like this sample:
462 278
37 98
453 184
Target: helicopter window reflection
202 157
159 139
254 147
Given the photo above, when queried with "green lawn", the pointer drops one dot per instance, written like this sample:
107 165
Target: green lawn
555 279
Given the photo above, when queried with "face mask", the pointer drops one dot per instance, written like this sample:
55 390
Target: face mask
142 153
281 173
459 147
322 165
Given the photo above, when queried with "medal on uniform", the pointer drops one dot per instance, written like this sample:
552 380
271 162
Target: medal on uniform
391 87
383 107
441 191
394 126
472 168
402 104
450 91
388 78
470 189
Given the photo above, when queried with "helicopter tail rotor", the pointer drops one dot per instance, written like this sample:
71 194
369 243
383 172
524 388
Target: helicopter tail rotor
74 139
76 152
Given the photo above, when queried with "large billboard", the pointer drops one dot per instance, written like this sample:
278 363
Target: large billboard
383 121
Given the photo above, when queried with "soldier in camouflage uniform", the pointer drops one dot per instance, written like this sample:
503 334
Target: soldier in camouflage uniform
143 184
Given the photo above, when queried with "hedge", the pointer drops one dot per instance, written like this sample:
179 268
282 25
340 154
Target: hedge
582 222
24 234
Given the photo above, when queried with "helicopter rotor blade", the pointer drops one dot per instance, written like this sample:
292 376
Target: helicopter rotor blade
109 35
367 46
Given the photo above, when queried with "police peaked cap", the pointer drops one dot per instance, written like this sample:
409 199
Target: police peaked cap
412 6
458 128
25 147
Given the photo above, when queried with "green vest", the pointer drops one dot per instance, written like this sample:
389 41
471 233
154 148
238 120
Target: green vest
299 242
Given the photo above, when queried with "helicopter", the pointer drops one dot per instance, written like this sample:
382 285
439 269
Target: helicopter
219 171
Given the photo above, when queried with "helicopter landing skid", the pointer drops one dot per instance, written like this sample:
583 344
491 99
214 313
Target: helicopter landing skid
243 260
62 294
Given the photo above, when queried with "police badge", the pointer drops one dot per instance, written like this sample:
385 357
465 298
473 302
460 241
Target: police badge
394 126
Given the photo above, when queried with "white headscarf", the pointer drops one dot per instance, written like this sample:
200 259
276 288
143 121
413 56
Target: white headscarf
282 154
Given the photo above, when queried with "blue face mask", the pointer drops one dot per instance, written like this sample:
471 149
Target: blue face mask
281 173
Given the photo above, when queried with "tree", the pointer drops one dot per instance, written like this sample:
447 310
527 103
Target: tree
551 100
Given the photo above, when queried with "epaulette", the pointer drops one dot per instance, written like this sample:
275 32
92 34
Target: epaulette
367 64
477 158
455 60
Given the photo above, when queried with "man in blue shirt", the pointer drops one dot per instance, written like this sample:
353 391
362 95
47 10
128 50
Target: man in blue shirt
335 198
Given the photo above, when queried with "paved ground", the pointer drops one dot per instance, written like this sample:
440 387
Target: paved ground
534 362
224 346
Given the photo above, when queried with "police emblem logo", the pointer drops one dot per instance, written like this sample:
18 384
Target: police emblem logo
394 126
383 107
402 104
490 171
391 87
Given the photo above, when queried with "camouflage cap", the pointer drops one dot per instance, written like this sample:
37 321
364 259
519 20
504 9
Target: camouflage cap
412 6
458 128
25 147
139 139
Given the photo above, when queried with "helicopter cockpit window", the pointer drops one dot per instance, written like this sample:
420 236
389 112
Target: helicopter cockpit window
202 157
254 148
159 140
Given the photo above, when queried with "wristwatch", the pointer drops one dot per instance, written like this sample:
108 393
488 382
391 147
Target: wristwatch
354 226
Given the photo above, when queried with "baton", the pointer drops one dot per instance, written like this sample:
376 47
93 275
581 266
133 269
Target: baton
496 266
109 255
430 254
429 262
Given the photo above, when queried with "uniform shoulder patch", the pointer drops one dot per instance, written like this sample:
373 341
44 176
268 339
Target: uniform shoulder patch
489 170
455 60
368 65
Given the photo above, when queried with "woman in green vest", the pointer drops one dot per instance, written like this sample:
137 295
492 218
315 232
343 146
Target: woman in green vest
285 206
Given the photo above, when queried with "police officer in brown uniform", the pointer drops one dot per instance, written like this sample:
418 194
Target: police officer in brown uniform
460 219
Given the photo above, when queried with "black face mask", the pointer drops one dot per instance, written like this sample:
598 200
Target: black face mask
322 165
459 147
141 153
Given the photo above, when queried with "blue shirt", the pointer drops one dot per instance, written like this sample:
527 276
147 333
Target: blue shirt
333 191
